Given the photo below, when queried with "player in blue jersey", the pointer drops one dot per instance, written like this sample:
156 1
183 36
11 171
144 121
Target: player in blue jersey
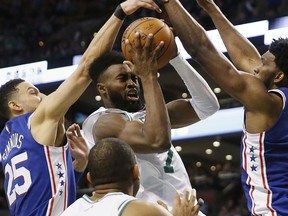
38 169
260 85
114 175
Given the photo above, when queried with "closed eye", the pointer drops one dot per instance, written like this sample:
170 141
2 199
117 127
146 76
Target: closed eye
33 91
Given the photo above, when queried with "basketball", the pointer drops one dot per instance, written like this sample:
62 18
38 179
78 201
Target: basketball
161 32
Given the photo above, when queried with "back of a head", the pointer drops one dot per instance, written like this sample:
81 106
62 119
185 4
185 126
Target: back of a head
279 48
7 91
103 62
111 160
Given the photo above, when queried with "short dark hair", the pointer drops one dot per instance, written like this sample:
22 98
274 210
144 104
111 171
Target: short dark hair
279 48
6 91
103 62
111 160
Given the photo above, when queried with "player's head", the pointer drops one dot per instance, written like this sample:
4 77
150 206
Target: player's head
112 165
116 83
18 97
274 68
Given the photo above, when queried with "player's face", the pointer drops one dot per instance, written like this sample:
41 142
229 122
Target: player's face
28 97
123 89
268 70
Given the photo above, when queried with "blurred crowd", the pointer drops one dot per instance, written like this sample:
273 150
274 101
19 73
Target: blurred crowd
56 30
220 188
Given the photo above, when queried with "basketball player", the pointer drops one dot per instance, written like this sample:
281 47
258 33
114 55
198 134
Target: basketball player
39 176
263 92
145 127
114 175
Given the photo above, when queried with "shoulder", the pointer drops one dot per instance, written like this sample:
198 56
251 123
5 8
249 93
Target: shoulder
78 206
141 208
283 92
103 114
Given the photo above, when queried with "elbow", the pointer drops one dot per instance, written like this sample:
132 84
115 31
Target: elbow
215 107
209 110
206 108
162 144
212 109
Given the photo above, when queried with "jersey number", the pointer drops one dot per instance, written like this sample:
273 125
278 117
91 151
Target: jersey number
168 168
14 173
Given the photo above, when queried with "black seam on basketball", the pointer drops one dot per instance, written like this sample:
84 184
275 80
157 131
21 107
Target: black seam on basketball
166 48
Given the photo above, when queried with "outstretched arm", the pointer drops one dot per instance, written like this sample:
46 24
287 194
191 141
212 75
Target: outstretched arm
70 90
197 43
204 102
46 117
242 52
248 88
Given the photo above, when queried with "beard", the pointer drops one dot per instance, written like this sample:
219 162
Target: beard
126 105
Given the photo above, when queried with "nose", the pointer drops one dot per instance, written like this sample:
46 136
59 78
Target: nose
131 83
256 70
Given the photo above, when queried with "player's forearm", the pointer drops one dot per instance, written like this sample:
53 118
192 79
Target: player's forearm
157 125
103 41
192 37
241 51
204 101
197 43
80 79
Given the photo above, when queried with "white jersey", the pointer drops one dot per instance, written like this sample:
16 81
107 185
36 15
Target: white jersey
112 204
161 174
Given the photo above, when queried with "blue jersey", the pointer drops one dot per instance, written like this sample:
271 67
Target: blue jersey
39 179
265 166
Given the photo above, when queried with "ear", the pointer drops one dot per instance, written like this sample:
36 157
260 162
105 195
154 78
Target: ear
14 107
101 88
279 77
89 178
136 172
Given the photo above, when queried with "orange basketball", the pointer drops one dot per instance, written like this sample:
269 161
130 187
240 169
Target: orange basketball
161 32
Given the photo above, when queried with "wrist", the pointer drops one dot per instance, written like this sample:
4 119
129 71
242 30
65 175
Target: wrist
211 8
80 166
119 13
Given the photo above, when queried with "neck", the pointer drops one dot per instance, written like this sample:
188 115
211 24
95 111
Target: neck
101 190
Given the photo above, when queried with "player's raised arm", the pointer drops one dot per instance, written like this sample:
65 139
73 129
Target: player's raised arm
53 107
241 51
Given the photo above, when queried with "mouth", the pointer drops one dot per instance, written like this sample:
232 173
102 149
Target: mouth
132 95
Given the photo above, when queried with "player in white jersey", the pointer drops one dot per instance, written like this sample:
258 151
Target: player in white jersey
162 174
31 141
147 132
114 175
